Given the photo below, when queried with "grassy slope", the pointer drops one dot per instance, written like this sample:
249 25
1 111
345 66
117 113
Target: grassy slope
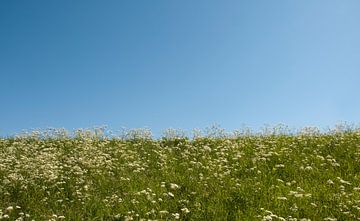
247 178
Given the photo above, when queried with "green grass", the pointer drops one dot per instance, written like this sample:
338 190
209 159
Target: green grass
249 177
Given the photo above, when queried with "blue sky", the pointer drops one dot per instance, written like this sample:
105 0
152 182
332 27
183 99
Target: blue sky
180 64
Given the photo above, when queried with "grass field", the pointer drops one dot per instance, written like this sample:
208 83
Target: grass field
302 176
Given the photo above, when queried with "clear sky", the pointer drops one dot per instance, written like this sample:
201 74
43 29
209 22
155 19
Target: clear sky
180 64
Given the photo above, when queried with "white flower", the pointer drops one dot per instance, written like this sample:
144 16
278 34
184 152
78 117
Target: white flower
267 218
176 215
185 210
330 182
330 219
343 181
174 186
207 148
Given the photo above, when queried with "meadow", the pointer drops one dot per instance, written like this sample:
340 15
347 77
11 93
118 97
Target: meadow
87 175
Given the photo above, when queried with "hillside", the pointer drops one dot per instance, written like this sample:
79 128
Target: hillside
312 176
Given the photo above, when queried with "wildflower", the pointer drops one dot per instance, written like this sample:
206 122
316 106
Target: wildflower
128 218
330 219
174 186
207 148
185 210
176 215
267 218
291 193
308 168
330 182
280 180
299 195
294 208
10 208
343 181
299 189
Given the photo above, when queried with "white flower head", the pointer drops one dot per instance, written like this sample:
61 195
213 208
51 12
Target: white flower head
174 186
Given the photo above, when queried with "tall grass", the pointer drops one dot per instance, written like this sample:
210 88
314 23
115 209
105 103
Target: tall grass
88 175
